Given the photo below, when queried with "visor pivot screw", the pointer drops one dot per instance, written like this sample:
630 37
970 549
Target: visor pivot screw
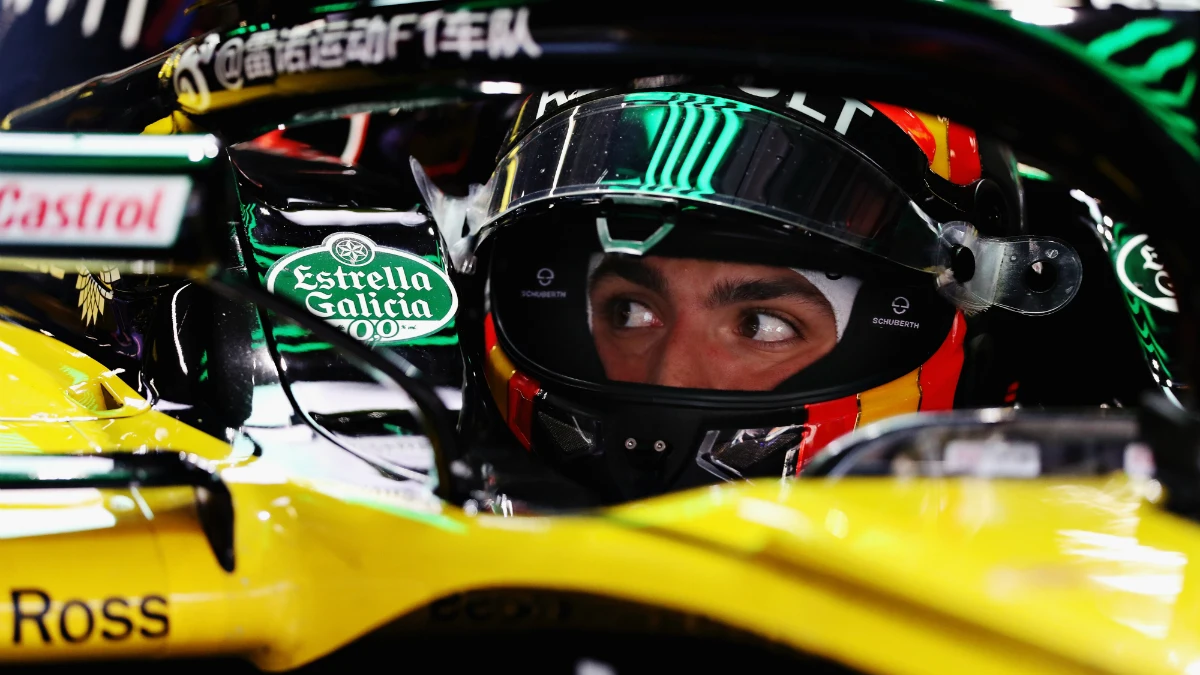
1041 276
630 444
659 446
962 263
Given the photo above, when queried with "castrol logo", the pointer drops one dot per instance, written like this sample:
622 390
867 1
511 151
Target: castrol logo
96 210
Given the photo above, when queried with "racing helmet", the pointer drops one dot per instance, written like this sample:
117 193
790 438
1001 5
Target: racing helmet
671 285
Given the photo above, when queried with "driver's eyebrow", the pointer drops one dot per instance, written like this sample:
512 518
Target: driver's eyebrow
631 270
730 292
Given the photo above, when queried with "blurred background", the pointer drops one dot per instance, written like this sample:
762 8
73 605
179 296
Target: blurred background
46 45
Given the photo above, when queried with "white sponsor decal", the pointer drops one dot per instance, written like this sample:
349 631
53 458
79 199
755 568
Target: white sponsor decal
552 100
1144 276
500 33
73 209
1139 460
131 27
887 321
1170 5
992 458
796 102
377 294
560 98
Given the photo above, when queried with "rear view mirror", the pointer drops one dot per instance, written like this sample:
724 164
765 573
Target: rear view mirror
992 443
160 205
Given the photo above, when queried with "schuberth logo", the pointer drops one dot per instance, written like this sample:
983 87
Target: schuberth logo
377 294
98 210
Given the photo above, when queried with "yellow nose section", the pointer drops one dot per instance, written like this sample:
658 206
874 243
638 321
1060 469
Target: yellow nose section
56 399
45 380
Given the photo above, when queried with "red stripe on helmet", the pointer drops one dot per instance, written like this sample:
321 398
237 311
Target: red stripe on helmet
964 154
826 421
938 380
522 389
513 390
911 124
939 375
489 333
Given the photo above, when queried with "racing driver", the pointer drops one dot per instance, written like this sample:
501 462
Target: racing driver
663 287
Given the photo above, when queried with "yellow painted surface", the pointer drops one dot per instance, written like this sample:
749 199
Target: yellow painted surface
175 123
888 576
498 370
55 399
290 84
939 127
44 379
943 575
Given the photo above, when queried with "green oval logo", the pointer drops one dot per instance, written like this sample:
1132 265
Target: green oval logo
1142 274
380 295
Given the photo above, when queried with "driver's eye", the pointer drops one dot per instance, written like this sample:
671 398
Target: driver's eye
633 314
766 328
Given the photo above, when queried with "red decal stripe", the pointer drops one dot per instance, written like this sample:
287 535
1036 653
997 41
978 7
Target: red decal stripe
964 154
522 390
826 421
939 375
911 124
489 333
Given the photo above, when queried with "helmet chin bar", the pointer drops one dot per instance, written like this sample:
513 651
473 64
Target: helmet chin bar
1027 275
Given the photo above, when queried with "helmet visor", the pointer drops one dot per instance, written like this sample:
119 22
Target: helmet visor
719 151
711 306
714 150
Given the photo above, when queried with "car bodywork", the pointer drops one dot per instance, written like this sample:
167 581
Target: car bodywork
275 543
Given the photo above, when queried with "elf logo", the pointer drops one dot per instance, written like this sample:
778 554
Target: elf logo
73 209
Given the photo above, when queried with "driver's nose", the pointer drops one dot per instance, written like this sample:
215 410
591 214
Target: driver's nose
681 360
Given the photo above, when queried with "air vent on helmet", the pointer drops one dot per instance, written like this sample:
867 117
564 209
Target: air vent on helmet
571 434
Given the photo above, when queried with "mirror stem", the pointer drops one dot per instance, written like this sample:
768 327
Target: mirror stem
436 420
1173 435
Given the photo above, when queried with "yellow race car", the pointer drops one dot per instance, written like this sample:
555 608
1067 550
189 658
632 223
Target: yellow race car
224 434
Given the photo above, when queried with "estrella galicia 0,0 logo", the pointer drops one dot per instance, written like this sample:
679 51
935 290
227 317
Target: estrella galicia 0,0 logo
381 295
